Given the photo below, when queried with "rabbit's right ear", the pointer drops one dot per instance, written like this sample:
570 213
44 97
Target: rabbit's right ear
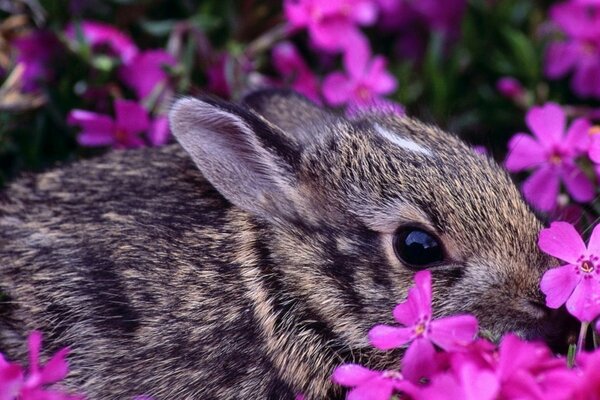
246 159
297 116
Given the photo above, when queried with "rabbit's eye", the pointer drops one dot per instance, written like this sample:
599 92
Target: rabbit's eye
417 248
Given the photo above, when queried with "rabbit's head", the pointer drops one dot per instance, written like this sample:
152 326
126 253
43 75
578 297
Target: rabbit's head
350 209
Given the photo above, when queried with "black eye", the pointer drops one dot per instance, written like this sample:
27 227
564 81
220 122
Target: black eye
417 248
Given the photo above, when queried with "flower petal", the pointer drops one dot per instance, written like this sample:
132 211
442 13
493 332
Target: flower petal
352 375
92 123
577 183
88 139
523 152
578 135
584 303
594 243
418 361
541 188
131 117
547 123
57 368
376 390
558 284
387 337
560 58
337 88
562 241
34 344
453 332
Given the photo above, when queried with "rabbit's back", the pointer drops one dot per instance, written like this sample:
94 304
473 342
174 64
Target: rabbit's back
125 260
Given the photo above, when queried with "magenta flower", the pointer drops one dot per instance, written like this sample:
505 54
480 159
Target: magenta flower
290 65
369 384
37 384
37 51
576 283
331 24
364 82
98 34
421 331
146 71
510 87
528 370
552 155
579 52
102 130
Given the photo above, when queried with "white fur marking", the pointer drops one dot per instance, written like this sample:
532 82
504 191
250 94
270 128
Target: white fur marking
402 142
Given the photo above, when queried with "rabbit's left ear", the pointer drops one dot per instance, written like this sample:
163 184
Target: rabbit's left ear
245 158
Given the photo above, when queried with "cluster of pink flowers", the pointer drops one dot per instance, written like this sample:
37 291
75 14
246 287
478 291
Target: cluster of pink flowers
144 72
445 360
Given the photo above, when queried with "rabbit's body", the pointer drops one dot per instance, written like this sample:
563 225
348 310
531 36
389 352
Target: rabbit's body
255 277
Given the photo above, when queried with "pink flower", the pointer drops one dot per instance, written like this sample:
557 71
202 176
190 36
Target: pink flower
553 156
421 331
147 70
98 34
510 87
102 130
576 283
528 370
372 385
364 82
290 65
580 51
331 24
587 387
34 386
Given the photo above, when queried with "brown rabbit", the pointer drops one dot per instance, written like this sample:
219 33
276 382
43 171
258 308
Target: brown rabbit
252 259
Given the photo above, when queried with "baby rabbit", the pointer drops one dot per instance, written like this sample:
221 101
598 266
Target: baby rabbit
252 258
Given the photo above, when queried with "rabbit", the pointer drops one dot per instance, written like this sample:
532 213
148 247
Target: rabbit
251 258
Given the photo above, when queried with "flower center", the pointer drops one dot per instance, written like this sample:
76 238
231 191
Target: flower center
556 156
586 266
392 375
363 93
120 135
588 47
420 329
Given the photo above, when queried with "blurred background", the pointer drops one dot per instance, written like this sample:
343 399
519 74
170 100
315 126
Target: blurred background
79 77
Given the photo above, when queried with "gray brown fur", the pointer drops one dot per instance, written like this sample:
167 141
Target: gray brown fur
163 285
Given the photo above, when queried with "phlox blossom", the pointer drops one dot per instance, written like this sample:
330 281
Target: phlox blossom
552 154
147 70
37 383
579 52
123 131
365 81
331 24
421 330
369 384
98 34
577 283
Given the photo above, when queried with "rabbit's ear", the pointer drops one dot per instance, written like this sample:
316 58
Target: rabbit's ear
297 116
246 159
